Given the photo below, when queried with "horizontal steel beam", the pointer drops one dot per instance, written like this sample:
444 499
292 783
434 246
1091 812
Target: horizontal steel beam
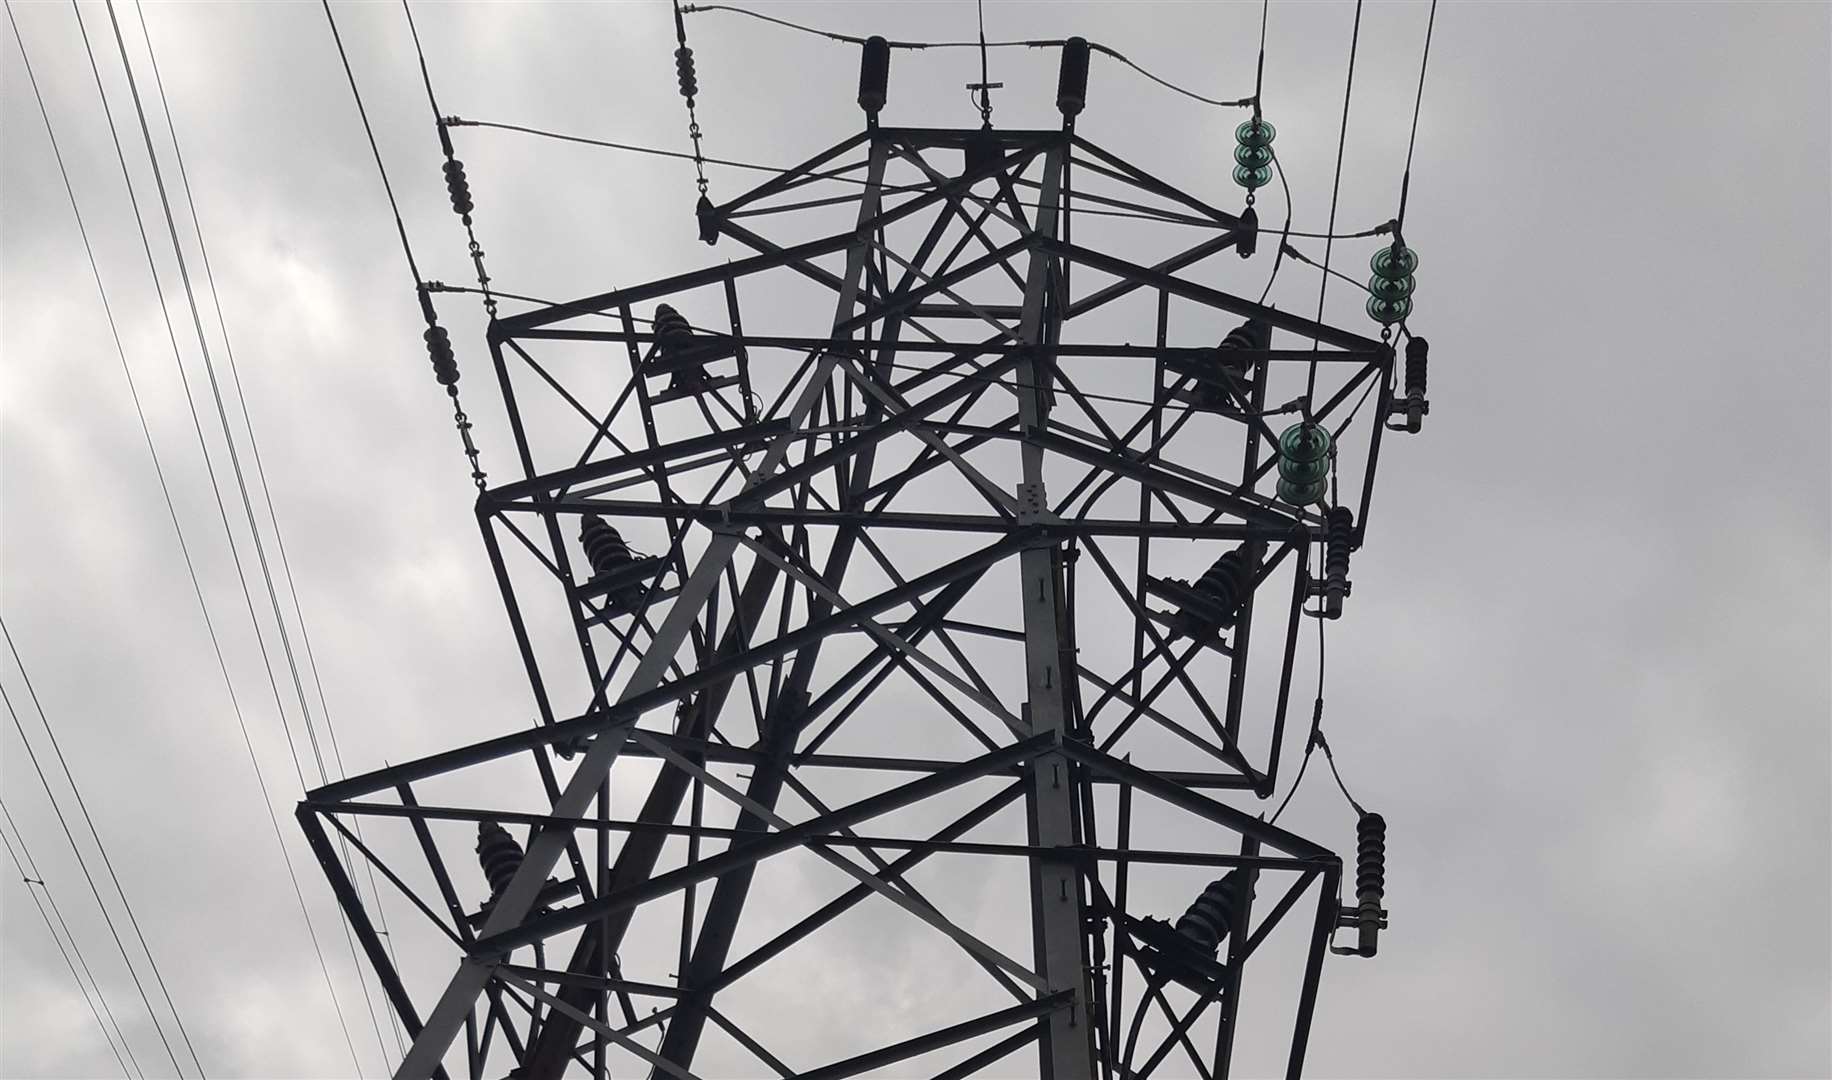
1202 294
627 712
1090 349
1086 854
546 926
777 517
936 1040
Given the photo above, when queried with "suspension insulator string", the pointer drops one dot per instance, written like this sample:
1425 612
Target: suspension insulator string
457 184
438 341
445 372
1339 534
689 81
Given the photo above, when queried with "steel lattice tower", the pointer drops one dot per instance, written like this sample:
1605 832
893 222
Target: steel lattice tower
974 571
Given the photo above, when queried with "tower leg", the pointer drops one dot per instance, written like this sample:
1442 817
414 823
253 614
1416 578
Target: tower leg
1067 1044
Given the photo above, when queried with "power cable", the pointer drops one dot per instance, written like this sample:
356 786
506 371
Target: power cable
1316 715
1330 757
83 863
1405 182
406 248
1278 255
235 460
985 85
887 189
437 340
172 513
34 877
197 427
260 476
454 170
1336 188
1259 79
1105 50
222 412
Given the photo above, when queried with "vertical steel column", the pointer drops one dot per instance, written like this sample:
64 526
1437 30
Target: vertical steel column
700 976
546 845
1067 1046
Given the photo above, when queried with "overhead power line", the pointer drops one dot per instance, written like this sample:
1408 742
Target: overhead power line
1342 141
35 877
254 445
1040 43
885 189
1405 181
222 510
437 339
83 863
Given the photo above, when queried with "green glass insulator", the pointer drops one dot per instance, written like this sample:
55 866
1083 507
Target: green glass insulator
1388 312
1302 494
1252 178
1303 472
1253 157
1255 133
1304 441
1394 262
1391 288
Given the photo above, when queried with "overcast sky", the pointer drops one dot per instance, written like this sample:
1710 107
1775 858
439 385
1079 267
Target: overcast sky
1585 674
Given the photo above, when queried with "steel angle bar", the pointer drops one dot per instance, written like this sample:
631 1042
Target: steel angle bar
786 179
524 645
939 285
1121 461
595 951
894 403
944 1037
748 438
884 870
620 1037
394 879
595 982
964 306
842 836
928 460
1135 177
545 847
1202 806
1179 1033
788 257
624 713
870 436
1202 294
749 1042
992 1055
851 897
913 155
1219 753
601 428
1313 971
1109 293
1163 216
805 267
1179 667
819 848
1270 920
358 917
894 641
765 846
1090 349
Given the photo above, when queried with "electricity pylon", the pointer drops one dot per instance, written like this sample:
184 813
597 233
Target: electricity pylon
941 612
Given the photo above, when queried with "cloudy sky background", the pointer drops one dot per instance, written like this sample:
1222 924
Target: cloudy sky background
1585 673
